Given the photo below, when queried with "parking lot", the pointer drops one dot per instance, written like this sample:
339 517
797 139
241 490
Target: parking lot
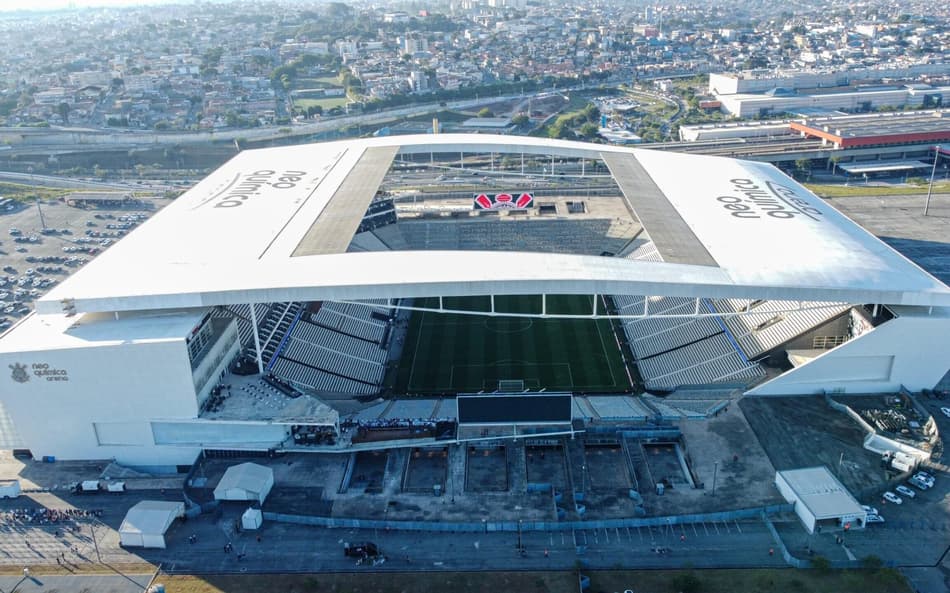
43 243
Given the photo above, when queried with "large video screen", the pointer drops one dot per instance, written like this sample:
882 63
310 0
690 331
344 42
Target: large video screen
503 201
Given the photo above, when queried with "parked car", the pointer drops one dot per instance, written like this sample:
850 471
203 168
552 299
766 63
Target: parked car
905 491
869 510
946 411
874 519
891 497
361 550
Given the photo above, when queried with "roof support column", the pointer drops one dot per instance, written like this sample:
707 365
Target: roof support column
257 340
492 303
522 162
696 310
646 305
544 305
593 312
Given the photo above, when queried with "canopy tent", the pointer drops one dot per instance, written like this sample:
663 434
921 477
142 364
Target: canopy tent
246 481
146 523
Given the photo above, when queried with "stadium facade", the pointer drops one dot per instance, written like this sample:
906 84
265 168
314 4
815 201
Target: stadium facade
291 263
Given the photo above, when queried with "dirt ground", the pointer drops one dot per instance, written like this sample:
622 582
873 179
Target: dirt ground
801 432
727 459
486 470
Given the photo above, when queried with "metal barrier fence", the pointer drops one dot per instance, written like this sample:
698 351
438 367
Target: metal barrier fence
514 526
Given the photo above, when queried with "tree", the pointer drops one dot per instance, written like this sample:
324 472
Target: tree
63 110
687 583
803 166
589 130
486 112
520 119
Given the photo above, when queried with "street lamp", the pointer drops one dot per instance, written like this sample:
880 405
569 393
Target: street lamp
715 473
933 172
26 575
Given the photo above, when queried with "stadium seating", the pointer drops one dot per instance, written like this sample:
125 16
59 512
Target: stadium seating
339 348
676 351
770 324
592 236
642 249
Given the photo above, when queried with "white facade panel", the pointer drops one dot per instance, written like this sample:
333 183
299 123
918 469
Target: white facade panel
212 434
68 392
133 433
914 345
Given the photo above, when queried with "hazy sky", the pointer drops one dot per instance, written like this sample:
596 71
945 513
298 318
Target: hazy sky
52 4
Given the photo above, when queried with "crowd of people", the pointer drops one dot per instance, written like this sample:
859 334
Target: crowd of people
43 515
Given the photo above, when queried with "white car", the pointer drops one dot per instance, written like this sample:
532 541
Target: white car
946 411
905 491
924 478
874 519
869 510
891 497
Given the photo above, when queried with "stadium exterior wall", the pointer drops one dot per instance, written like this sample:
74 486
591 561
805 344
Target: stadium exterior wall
102 411
908 350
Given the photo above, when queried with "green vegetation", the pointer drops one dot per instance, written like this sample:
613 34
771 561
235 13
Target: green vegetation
785 580
452 352
844 191
582 122
325 104
26 193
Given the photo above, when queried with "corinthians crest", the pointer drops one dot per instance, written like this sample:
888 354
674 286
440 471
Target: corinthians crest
19 373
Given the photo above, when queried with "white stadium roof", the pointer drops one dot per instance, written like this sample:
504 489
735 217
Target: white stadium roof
273 225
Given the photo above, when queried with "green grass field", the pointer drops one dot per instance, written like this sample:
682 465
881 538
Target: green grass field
328 103
467 353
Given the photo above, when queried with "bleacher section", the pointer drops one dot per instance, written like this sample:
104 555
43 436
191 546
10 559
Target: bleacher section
642 249
340 348
274 319
675 351
593 236
770 324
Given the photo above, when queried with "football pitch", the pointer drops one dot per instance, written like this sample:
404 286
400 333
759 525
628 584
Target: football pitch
469 353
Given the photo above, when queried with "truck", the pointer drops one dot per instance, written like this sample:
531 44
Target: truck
87 486
9 488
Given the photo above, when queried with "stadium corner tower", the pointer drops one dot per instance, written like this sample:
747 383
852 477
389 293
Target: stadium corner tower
295 286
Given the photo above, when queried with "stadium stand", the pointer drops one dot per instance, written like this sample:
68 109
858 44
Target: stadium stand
770 324
593 236
676 351
642 249
338 348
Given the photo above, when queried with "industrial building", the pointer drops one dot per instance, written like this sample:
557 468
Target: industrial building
245 312
780 100
821 501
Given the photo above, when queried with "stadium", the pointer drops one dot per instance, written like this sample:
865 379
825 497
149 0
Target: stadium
379 292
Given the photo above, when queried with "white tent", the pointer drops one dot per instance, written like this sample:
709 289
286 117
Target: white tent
146 523
252 519
247 481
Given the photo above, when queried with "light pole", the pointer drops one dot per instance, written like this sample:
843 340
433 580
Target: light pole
715 473
26 575
933 172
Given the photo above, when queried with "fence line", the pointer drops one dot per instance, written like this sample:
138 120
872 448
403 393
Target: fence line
514 526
